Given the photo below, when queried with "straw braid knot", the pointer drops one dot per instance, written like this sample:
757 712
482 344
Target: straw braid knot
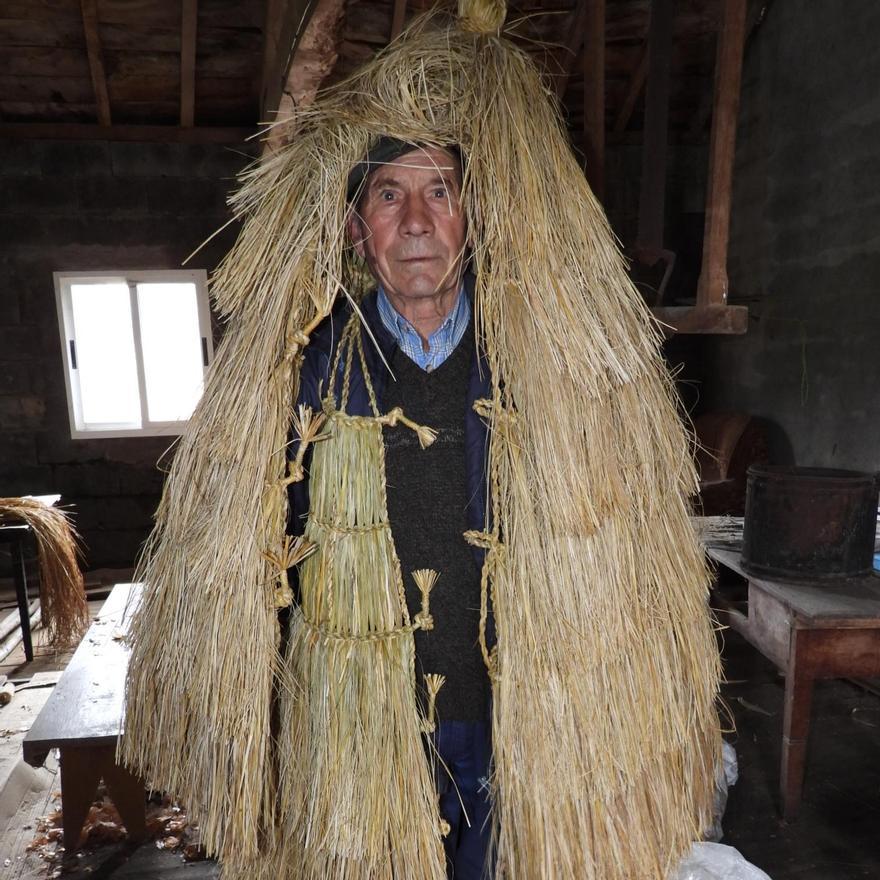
425 434
425 579
481 16
293 551
307 426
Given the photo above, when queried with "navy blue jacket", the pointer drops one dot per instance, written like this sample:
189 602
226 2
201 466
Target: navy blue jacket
315 379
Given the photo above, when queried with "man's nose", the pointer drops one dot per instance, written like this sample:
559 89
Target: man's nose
416 218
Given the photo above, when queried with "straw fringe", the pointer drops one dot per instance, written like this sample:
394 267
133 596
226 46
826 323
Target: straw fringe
606 670
356 798
64 610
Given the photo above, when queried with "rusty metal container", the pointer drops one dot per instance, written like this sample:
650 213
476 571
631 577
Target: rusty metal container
809 523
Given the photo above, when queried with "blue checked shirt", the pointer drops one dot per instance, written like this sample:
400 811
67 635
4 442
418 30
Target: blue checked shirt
441 343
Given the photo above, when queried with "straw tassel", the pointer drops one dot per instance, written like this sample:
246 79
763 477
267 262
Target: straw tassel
425 434
425 579
293 551
307 426
433 683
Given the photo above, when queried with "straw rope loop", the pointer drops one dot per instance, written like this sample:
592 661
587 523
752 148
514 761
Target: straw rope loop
366 373
481 16
490 542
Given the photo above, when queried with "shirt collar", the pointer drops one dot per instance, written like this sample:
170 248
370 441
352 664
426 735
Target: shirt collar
398 325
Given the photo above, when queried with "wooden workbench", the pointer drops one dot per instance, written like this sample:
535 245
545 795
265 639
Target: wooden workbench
811 631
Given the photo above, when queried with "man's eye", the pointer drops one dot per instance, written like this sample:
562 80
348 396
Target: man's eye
440 193
386 195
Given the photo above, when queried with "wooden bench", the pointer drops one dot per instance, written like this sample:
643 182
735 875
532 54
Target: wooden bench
83 719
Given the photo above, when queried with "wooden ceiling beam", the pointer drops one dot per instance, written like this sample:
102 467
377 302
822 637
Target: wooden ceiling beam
96 61
398 17
74 131
715 320
189 19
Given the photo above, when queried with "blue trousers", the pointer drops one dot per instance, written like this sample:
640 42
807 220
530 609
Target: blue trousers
465 750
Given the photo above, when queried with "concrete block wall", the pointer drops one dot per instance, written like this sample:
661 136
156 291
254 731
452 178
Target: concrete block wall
805 241
91 205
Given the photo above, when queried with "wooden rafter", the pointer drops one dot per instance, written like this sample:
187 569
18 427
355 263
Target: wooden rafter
633 89
96 62
189 15
285 21
574 39
316 52
398 17
594 95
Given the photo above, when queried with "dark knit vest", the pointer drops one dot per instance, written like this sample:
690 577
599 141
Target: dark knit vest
426 508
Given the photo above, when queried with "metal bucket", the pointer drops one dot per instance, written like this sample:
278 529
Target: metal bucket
809 523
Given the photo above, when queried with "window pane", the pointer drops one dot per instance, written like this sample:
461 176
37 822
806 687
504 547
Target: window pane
105 353
172 349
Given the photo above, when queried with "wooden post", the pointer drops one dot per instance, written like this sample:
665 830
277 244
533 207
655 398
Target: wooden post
652 196
712 287
594 95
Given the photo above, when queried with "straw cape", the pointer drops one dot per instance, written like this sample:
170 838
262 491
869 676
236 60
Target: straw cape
308 759
64 611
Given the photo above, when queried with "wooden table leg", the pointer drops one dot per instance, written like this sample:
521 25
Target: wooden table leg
21 594
799 679
127 792
81 770
80 775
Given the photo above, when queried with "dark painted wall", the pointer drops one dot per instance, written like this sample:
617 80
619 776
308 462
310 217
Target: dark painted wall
805 239
90 206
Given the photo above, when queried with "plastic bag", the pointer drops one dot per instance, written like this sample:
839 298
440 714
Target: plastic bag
715 861
725 776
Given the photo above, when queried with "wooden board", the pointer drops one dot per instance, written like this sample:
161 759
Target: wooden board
853 602
85 707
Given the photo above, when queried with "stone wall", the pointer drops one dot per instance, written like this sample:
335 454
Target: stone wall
91 205
805 242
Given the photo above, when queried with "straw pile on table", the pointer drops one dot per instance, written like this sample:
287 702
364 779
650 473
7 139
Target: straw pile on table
64 611
605 674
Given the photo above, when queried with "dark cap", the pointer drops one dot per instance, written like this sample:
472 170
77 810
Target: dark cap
386 150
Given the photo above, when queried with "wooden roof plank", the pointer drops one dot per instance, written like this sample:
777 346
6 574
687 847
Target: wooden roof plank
189 16
96 62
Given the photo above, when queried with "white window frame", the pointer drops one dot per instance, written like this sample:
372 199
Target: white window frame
79 430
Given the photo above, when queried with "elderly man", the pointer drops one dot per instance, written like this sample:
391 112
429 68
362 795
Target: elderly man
407 224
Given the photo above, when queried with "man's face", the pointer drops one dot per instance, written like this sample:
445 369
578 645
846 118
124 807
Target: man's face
409 226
